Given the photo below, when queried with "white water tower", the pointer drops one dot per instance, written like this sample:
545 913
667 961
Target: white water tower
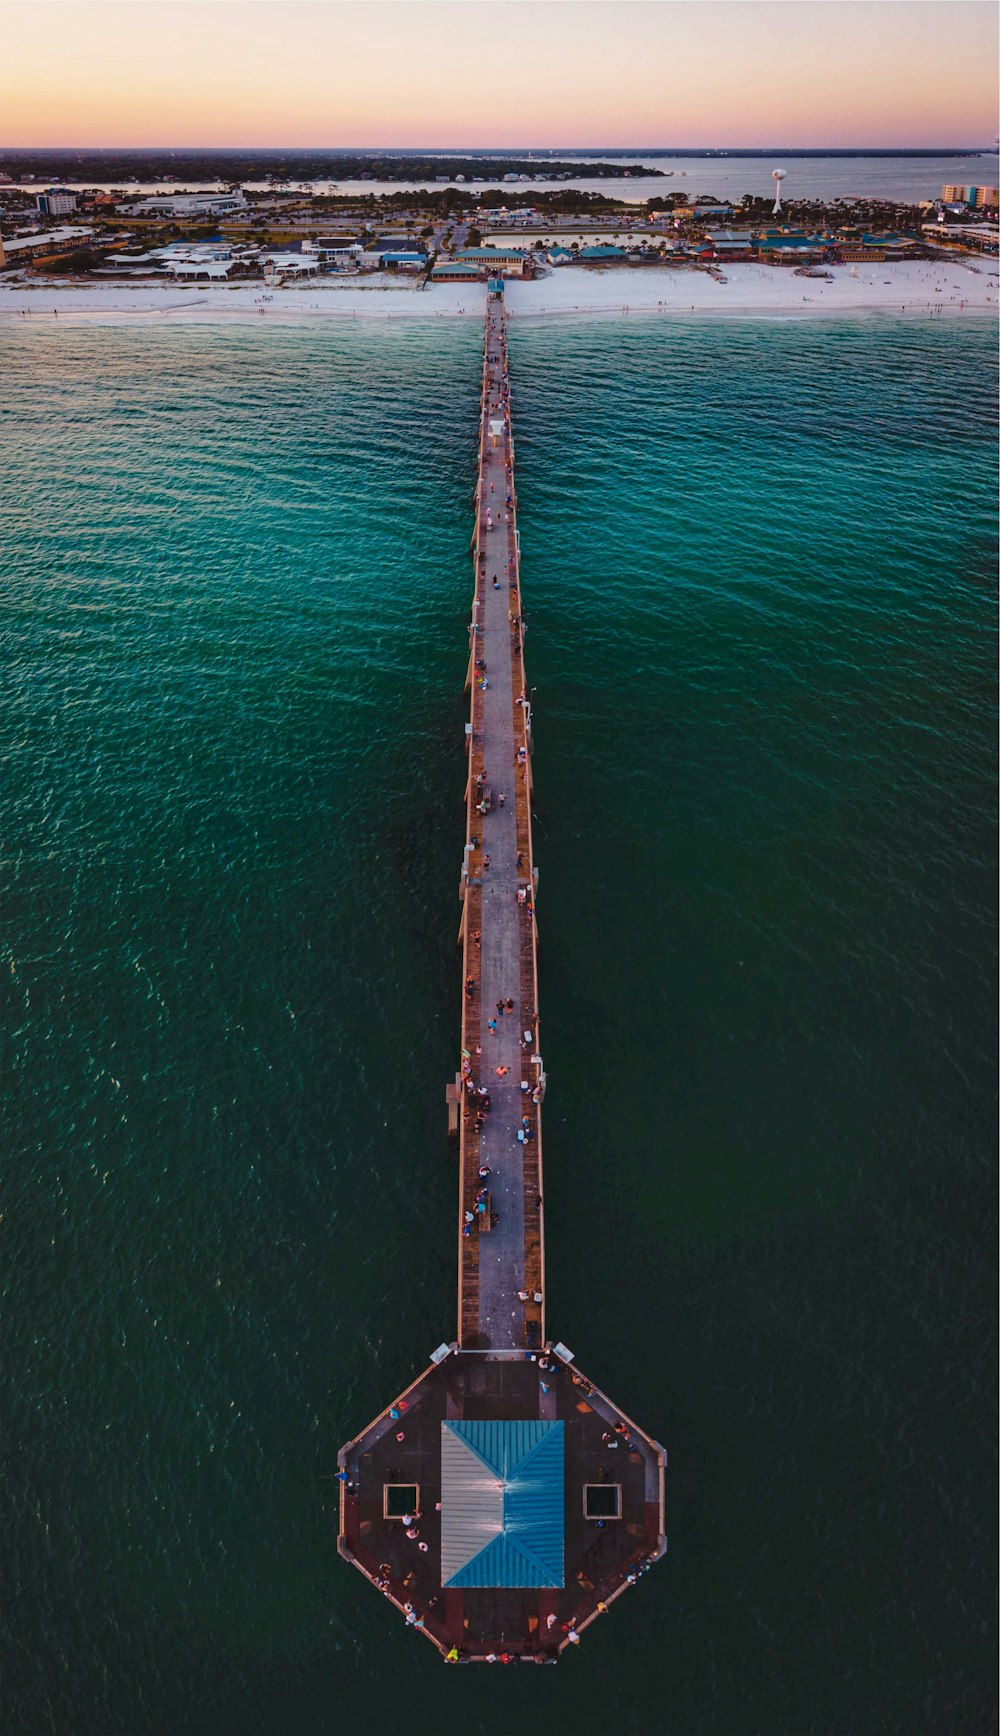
777 175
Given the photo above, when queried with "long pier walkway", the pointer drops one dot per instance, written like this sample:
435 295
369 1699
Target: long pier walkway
502 1082
502 1502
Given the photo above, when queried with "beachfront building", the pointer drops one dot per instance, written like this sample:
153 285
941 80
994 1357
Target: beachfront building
496 261
456 271
730 243
399 260
603 255
290 264
205 261
792 249
55 202
335 252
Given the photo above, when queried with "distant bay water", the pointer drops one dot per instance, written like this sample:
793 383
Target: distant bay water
759 565
725 177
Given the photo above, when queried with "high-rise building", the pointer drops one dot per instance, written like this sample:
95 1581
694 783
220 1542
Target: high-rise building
980 197
55 202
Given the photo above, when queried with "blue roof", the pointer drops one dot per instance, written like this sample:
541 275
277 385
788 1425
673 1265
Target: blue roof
794 241
502 1504
604 251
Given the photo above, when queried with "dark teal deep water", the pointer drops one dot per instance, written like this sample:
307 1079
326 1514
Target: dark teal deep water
759 569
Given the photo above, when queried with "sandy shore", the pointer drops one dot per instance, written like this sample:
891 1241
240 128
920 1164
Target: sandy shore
918 287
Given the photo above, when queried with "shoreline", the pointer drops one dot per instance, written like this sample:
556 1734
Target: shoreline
913 289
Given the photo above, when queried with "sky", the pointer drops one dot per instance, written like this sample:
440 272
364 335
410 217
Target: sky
483 73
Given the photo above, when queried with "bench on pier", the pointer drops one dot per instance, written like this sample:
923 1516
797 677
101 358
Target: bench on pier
453 1098
483 1217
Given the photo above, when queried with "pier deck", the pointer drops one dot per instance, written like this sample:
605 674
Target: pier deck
500 1259
502 1555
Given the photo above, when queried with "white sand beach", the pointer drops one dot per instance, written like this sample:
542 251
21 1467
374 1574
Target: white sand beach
915 287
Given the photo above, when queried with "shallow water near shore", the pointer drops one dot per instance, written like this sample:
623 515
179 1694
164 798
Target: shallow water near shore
759 571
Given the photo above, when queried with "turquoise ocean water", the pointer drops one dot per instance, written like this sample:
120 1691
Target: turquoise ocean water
759 567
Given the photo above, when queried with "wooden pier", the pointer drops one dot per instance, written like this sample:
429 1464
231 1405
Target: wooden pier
502 1080
592 1520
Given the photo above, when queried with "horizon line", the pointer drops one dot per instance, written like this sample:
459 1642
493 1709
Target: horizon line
516 150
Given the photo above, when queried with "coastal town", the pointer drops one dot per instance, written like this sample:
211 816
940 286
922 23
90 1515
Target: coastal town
284 236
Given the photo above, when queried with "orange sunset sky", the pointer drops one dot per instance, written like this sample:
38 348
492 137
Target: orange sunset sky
465 73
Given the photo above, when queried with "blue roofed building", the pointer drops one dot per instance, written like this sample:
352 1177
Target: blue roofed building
502 1507
497 261
785 249
603 254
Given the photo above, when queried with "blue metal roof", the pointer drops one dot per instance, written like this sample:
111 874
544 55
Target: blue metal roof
502 1503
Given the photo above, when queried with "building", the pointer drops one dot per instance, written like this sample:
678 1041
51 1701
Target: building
402 261
191 205
981 198
290 264
792 249
730 244
603 255
499 261
980 237
55 202
701 211
457 271
21 248
335 252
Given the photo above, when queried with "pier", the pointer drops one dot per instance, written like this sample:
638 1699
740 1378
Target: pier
502 1502
501 1238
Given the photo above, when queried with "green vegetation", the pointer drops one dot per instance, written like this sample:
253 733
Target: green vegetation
120 166
85 259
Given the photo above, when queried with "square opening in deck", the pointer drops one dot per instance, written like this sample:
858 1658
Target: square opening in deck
400 1500
602 1500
